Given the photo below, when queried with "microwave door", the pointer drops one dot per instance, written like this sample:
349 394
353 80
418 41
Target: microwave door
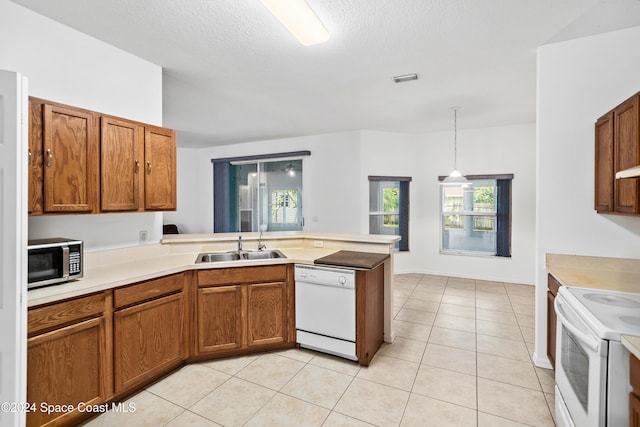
44 265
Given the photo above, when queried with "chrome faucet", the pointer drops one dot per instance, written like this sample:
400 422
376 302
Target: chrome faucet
239 244
261 246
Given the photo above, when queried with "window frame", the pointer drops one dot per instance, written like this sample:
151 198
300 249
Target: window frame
502 216
403 208
223 195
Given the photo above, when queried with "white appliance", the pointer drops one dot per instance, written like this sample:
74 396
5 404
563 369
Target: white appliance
326 309
592 366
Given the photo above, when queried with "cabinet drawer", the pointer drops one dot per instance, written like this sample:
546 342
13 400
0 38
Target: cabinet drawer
44 318
553 285
228 276
148 290
634 374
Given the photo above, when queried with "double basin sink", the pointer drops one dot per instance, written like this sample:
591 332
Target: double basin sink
238 256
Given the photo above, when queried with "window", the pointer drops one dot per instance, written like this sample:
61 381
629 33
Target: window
258 193
389 208
476 218
284 207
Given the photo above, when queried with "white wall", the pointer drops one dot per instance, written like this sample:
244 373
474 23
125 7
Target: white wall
508 149
67 66
579 81
336 189
327 203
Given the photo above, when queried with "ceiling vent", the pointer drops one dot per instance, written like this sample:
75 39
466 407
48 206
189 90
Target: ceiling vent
405 78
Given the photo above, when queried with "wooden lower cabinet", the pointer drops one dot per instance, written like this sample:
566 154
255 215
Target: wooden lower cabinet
241 310
266 314
148 341
553 286
66 366
369 313
102 347
220 318
634 396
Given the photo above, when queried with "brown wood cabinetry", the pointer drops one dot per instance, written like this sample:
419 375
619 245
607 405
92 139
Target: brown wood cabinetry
67 358
369 313
121 164
220 318
160 169
634 396
617 145
604 172
36 179
63 172
553 286
84 162
244 309
149 331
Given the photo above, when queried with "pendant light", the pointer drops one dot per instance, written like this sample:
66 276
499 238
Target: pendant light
455 177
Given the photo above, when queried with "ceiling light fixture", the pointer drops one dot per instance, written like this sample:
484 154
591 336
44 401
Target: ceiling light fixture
405 78
455 177
299 19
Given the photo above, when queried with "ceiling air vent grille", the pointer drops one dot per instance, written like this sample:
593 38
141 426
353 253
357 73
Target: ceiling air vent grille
405 78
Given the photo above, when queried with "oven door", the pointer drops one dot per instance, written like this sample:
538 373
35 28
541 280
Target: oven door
581 368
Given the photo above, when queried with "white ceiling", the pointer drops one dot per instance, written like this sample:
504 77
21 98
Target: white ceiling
232 73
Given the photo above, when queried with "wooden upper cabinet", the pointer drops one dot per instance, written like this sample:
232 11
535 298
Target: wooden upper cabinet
160 169
83 162
121 161
626 137
35 202
71 154
604 174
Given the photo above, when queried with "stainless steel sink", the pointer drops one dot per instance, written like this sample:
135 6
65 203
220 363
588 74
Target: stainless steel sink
238 256
217 257
265 254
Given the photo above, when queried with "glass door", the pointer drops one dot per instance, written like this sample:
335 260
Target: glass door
261 196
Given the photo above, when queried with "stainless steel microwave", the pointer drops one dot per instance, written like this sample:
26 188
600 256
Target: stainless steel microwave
52 261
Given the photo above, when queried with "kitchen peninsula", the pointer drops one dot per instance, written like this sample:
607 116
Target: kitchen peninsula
144 311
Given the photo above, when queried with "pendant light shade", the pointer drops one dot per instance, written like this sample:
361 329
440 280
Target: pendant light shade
455 177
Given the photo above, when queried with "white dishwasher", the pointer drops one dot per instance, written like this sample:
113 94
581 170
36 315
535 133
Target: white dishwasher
326 309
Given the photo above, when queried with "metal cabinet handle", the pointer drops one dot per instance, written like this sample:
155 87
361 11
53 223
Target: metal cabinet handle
136 169
49 157
29 163
148 168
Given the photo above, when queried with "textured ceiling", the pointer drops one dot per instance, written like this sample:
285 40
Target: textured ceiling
232 73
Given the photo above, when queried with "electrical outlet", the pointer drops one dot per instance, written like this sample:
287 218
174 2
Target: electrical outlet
142 237
318 243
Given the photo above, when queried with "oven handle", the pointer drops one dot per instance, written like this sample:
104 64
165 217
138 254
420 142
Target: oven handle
589 341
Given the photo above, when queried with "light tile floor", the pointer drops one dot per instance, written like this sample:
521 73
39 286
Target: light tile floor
462 357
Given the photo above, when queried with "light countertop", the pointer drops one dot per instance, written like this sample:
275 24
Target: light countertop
615 274
632 343
119 267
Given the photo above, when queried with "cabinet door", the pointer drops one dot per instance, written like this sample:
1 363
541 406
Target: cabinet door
604 174
220 318
121 161
634 411
148 340
160 169
267 315
65 367
551 329
626 150
70 160
35 157
369 313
